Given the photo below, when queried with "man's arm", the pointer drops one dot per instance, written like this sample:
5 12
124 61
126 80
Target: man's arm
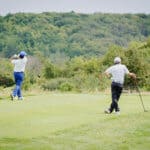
104 74
132 75
14 57
107 74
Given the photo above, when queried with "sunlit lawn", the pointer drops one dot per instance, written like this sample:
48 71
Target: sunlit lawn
51 121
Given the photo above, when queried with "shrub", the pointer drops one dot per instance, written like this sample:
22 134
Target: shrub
6 81
50 85
66 87
53 84
26 83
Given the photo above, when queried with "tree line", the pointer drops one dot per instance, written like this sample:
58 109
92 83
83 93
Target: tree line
68 51
81 73
70 34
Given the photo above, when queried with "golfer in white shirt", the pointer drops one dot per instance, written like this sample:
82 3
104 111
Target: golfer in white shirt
19 68
117 73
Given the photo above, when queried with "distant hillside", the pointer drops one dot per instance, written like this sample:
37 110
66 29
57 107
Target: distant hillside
70 34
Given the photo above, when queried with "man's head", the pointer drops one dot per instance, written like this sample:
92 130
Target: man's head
22 54
117 60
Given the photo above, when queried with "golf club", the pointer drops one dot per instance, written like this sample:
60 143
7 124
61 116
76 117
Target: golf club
136 85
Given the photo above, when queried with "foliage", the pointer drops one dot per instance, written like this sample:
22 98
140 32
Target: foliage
71 50
112 52
82 74
136 57
6 75
49 71
66 86
50 85
53 84
6 81
27 82
70 33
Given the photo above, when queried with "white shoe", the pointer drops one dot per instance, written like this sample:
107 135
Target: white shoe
13 97
20 98
117 112
107 111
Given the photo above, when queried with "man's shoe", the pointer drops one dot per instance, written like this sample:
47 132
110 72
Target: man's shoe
107 111
117 112
20 98
13 97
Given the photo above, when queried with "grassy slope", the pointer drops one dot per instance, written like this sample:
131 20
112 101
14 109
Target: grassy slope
73 122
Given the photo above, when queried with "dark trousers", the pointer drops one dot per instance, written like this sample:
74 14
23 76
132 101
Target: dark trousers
116 90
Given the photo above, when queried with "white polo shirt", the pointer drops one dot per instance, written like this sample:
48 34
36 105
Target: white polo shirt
118 72
19 64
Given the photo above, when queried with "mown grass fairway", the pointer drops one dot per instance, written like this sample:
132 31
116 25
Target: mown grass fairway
74 122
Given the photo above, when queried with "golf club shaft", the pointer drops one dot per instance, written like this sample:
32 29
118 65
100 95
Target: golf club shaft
140 96
141 99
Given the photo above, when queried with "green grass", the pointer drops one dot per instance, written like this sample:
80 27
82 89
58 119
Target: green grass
51 121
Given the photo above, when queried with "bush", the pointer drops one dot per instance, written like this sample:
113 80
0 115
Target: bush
53 84
26 83
66 87
50 85
6 81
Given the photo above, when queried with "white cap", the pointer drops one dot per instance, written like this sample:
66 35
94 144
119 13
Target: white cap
117 60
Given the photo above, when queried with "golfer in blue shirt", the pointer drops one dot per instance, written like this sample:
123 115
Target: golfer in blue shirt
117 73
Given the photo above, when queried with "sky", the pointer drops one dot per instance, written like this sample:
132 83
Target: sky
79 6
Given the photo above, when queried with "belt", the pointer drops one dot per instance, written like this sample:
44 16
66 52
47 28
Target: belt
117 83
19 71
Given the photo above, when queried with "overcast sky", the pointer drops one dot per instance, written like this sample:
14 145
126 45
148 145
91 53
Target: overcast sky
80 6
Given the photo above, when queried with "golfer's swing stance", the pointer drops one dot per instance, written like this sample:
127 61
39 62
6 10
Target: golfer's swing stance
117 73
19 62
